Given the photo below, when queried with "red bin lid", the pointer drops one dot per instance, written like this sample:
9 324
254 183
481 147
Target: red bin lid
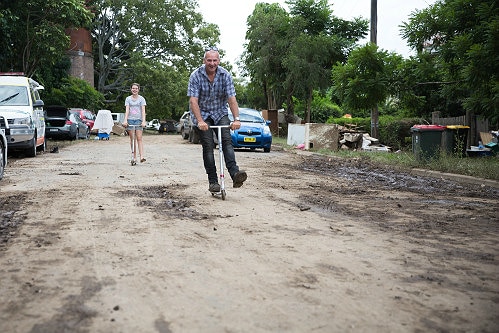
428 127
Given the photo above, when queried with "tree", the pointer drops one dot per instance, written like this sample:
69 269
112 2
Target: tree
462 37
74 92
33 32
164 88
367 78
319 41
163 32
292 55
268 27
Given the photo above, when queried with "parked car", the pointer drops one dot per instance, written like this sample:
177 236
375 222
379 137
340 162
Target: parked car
87 116
21 105
254 131
189 133
153 124
4 125
60 123
167 126
118 117
184 125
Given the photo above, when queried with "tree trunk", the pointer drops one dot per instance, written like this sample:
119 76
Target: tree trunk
309 105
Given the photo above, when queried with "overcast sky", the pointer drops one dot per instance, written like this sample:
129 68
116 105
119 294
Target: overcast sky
231 15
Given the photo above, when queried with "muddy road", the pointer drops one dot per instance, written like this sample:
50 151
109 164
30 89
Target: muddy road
308 244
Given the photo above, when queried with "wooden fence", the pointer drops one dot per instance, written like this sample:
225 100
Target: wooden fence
476 124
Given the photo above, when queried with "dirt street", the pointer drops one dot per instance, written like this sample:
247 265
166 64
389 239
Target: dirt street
308 244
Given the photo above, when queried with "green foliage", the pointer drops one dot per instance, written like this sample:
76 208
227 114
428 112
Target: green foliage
268 27
165 33
459 41
319 40
394 132
366 79
35 32
291 55
249 95
163 87
477 167
362 124
74 92
52 76
321 108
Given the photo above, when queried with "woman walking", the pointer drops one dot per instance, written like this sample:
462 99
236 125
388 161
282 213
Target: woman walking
135 120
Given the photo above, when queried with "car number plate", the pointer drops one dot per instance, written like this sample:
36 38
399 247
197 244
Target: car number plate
250 139
53 130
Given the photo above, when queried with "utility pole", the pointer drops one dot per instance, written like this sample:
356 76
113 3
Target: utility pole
373 39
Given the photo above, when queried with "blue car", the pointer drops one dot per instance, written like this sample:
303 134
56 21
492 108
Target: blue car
254 132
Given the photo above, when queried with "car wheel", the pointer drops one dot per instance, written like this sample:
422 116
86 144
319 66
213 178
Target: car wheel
43 147
266 150
31 151
195 137
2 156
185 136
87 134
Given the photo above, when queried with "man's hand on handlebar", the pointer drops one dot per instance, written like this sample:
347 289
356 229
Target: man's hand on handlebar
203 126
236 124
233 126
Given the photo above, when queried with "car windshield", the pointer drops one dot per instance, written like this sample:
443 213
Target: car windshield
14 95
249 116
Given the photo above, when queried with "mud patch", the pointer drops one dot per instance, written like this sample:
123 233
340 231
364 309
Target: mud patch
74 315
362 171
11 217
165 202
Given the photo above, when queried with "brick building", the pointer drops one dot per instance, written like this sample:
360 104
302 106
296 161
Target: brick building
80 54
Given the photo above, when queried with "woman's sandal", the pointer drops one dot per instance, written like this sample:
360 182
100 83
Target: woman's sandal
142 160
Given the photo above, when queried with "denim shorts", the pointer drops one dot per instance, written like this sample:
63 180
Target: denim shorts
135 124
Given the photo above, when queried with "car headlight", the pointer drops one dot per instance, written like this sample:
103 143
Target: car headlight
22 121
266 130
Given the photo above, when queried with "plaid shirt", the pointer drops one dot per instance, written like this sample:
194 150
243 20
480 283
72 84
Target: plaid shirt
212 96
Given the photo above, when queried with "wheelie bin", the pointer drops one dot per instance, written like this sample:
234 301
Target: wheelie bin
454 140
427 141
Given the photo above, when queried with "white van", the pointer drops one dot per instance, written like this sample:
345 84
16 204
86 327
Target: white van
4 125
118 117
21 105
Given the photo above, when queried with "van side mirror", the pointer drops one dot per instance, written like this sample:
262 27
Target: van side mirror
38 103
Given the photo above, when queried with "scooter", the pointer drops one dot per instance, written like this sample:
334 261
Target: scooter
222 162
133 144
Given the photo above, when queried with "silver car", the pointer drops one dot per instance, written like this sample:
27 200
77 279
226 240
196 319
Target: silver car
60 123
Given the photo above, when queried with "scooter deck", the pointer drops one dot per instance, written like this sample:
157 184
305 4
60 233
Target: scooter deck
221 194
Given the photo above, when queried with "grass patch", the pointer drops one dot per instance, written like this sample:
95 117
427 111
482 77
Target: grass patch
482 167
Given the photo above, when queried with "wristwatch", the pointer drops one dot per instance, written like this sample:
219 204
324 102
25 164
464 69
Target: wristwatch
237 118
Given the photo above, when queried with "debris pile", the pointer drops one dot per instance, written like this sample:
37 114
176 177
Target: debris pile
351 138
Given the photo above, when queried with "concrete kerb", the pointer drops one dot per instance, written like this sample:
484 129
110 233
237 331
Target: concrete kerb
429 173
456 177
